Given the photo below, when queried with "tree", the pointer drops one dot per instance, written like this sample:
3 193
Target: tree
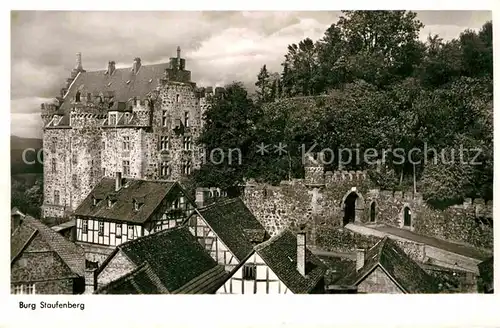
228 133
263 85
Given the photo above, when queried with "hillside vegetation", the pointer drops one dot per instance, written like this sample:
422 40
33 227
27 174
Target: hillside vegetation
368 83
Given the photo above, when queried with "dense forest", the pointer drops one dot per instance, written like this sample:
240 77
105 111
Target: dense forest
368 83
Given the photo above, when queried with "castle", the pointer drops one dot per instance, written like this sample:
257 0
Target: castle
141 121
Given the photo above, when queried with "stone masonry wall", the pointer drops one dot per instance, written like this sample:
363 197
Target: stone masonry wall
317 202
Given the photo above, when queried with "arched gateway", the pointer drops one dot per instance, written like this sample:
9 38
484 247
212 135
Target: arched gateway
353 206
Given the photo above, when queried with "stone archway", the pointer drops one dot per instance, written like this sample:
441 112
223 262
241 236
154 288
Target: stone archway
352 207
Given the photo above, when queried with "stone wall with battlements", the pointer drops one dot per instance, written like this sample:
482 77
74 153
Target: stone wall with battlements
321 200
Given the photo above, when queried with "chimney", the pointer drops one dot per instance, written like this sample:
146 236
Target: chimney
137 65
301 253
15 221
178 54
79 66
111 67
360 258
118 184
200 197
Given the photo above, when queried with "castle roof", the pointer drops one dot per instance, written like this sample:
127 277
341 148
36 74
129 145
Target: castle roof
123 84
169 261
71 254
235 225
280 255
151 193
401 269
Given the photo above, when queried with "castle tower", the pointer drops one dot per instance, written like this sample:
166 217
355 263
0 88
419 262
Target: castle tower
314 169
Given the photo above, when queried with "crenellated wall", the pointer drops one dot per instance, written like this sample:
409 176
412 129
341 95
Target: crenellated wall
322 199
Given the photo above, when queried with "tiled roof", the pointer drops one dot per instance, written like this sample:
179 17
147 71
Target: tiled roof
97 82
280 255
20 239
235 225
142 280
176 258
72 254
405 272
152 193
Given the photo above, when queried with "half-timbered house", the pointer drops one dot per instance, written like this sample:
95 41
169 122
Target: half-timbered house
227 230
280 265
168 262
119 210
386 268
43 261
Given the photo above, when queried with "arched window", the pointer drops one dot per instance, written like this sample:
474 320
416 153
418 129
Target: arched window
373 212
407 217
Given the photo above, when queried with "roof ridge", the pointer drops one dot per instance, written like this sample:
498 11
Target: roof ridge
271 240
151 235
124 68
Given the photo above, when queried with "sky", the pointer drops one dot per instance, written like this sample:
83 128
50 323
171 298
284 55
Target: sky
219 47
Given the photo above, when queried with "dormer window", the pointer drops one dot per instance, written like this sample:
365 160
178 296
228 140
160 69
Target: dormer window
95 201
137 204
56 120
112 119
111 202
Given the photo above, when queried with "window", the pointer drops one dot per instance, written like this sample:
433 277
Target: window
77 96
130 232
30 289
24 289
74 158
110 203
74 179
164 143
85 226
177 98
164 118
89 96
101 228
187 143
407 217
18 289
103 171
126 143
157 227
104 145
56 197
186 119
118 230
126 167
53 165
136 205
373 212
112 119
164 169
94 201
186 168
249 271
53 144
175 204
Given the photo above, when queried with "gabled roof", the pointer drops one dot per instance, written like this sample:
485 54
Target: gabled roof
169 261
402 270
97 82
235 225
280 255
152 192
72 254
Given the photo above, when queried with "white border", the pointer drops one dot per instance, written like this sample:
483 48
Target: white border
245 311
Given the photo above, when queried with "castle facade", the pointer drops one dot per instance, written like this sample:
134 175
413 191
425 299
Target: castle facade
141 121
